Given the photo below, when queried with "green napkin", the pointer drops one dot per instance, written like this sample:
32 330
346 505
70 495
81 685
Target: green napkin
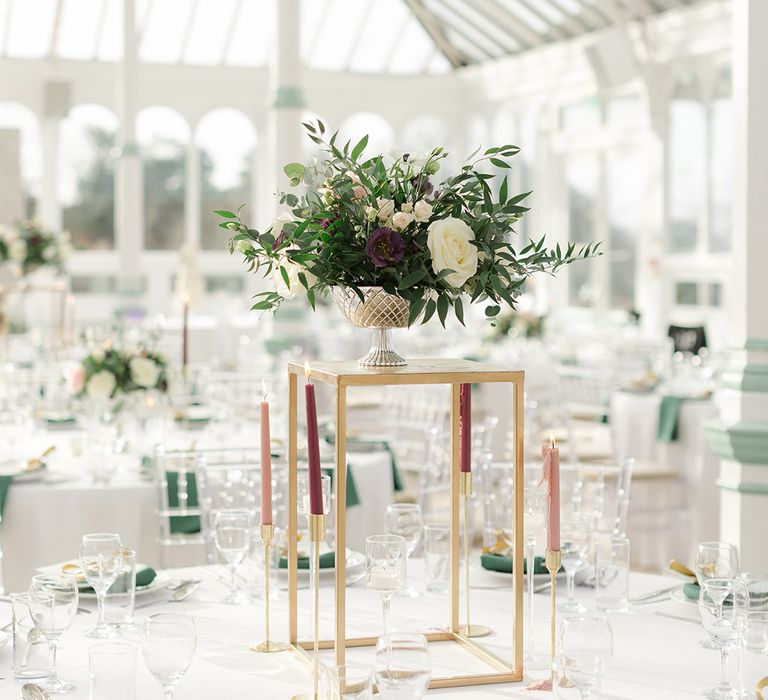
397 481
691 591
5 484
669 415
327 561
183 524
498 562
352 498
144 576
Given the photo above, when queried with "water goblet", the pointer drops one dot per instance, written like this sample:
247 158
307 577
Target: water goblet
100 560
405 519
574 548
385 568
232 534
403 667
168 645
348 682
722 624
715 560
53 604
586 646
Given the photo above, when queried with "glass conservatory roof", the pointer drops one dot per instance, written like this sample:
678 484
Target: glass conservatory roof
373 36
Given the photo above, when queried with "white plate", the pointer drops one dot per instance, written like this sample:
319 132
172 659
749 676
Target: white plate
355 570
19 473
679 596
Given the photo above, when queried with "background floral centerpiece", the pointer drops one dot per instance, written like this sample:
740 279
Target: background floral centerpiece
381 223
108 372
31 247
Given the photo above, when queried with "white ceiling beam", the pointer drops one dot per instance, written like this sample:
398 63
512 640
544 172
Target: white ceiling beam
319 30
452 7
99 29
145 20
364 19
230 32
575 20
451 27
525 36
7 33
55 30
554 30
455 57
398 41
187 30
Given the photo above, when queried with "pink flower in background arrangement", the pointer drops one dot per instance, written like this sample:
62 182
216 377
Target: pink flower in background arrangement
76 379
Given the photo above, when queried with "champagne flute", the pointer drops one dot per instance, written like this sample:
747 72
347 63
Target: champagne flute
403 667
385 568
405 519
232 533
535 526
53 604
722 624
168 645
574 548
586 646
715 560
100 560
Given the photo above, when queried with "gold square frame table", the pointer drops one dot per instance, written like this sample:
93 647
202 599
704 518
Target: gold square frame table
343 375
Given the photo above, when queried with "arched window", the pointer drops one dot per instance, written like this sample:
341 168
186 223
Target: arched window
721 166
21 120
87 176
225 139
381 137
163 135
686 169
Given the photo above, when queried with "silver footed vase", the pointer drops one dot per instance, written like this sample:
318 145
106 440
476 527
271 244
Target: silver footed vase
379 311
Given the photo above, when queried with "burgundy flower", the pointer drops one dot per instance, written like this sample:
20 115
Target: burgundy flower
422 185
325 223
280 239
384 246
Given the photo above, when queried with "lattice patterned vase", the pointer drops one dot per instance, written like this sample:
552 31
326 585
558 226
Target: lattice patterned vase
380 311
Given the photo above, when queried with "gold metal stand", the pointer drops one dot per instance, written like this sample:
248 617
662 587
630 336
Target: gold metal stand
342 375
553 566
465 489
316 537
267 646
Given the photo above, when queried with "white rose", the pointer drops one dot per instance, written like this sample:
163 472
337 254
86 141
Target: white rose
402 220
449 243
292 269
407 207
101 385
423 210
243 246
144 372
386 209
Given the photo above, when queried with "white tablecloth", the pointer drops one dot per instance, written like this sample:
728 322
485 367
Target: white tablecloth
44 521
634 425
655 657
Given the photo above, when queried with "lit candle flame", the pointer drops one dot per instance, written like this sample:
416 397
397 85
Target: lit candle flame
307 370
264 389
552 441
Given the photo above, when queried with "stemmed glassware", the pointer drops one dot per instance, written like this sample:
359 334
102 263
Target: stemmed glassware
403 667
385 568
722 624
168 645
586 647
405 519
574 548
535 526
716 560
232 534
53 604
100 560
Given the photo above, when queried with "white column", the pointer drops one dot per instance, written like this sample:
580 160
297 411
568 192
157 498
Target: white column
129 191
192 195
740 436
50 205
283 142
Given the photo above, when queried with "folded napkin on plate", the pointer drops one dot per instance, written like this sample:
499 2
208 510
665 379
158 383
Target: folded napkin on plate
691 591
352 498
327 561
397 480
503 564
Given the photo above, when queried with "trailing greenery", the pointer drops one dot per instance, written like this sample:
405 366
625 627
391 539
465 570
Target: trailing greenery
380 221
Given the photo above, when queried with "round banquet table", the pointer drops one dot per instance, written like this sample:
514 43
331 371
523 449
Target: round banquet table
656 647
44 520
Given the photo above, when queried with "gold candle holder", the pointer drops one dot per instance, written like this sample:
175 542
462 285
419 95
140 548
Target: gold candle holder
553 566
267 531
316 537
465 490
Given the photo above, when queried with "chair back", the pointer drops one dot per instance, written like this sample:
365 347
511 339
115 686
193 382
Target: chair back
688 338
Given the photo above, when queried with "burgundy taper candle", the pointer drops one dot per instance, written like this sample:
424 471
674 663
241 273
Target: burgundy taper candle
465 428
313 449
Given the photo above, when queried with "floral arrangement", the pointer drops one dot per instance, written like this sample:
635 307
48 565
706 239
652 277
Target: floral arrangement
109 371
31 247
517 323
381 221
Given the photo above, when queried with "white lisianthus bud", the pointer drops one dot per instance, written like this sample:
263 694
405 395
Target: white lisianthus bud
407 207
401 220
232 226
386 209
371 213
244 247
423 210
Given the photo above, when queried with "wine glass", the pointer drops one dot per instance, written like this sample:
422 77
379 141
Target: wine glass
405 519
348 682
53 604
574 548
385 568
403 667
586 646
168 645
716 560
722 624
535 517
100 560
232 533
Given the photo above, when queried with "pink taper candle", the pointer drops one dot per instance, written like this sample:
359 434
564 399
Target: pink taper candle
313 449
465 428
551 474
266 463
